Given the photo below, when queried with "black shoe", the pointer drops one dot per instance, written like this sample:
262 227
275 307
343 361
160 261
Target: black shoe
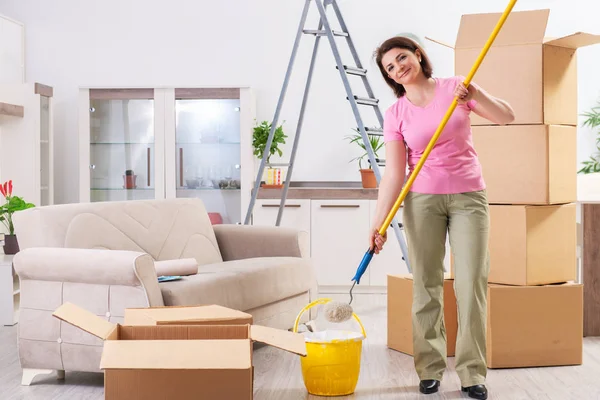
429 386
476 392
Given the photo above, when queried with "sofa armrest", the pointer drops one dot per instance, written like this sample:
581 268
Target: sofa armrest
250 241
93 266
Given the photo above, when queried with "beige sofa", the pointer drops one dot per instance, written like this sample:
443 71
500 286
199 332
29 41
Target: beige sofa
101 256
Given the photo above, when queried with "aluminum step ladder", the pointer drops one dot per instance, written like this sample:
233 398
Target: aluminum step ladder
324 29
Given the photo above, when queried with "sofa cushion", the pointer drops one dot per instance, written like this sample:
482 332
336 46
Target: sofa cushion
242 284
165 229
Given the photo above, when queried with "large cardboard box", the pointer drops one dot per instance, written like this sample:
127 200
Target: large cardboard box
180 361
399 309
531 245
528 164
534 326
535 74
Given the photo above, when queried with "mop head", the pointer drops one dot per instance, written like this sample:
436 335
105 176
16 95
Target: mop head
336 311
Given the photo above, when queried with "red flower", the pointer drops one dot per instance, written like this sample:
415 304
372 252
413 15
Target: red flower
10 187
3 190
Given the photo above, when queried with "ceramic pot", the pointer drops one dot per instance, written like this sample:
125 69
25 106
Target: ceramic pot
369 181
11 246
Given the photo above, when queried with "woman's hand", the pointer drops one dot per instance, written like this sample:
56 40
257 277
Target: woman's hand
463 94
376 241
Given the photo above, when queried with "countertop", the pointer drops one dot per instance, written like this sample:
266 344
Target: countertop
322 191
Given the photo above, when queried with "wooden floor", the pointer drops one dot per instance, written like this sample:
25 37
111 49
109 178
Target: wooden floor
385 374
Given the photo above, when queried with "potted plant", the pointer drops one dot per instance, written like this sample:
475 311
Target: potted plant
11 205
368 179
259 142
589 179
592 120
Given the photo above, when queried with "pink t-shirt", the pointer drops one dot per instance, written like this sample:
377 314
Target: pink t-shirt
452 165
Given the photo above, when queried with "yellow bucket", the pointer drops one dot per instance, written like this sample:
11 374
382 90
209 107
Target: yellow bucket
332 364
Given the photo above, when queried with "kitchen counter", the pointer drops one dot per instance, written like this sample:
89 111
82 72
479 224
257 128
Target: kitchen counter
322 191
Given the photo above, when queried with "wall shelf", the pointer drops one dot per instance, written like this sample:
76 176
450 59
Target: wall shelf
12 110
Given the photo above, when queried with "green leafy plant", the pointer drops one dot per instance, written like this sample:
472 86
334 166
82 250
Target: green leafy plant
12 205
376 144
260 137
593 121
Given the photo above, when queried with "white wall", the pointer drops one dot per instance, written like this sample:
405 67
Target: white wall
72 43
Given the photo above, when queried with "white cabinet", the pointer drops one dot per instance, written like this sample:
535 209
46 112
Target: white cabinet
10 293
12 51
339 232
156 143
26 143
339 240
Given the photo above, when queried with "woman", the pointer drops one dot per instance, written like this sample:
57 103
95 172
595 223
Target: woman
448 195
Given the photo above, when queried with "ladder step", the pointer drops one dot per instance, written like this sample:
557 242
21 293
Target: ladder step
379 161
323 32
374 131
278 164
367 101
354 70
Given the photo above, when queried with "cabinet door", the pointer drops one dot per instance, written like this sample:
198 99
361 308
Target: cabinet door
295 215
206 146
339 240
389 261
46 151
124 129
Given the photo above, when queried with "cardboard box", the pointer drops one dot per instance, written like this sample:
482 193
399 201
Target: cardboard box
399 309
172 361
534 326
186 315
528 164
536 75
531 245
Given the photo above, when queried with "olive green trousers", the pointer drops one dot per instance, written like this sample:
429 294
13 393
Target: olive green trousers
427 219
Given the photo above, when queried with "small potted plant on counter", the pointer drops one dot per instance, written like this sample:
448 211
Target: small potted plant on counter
12 204
259 142
369 181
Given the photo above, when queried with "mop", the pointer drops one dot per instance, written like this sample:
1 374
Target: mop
336 311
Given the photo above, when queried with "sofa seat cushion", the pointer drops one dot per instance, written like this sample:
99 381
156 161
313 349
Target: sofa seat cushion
242 284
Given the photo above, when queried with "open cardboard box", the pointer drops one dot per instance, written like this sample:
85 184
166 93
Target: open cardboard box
543 69
185 353
186 315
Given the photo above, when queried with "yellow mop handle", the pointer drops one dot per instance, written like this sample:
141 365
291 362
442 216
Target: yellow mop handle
440 128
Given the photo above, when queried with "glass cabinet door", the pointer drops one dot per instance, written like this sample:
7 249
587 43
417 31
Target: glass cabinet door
207 146
122 144
45 148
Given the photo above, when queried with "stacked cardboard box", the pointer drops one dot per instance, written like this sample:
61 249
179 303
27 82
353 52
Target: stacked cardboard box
535 310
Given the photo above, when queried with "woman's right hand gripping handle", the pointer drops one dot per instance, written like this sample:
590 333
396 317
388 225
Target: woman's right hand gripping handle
376 241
